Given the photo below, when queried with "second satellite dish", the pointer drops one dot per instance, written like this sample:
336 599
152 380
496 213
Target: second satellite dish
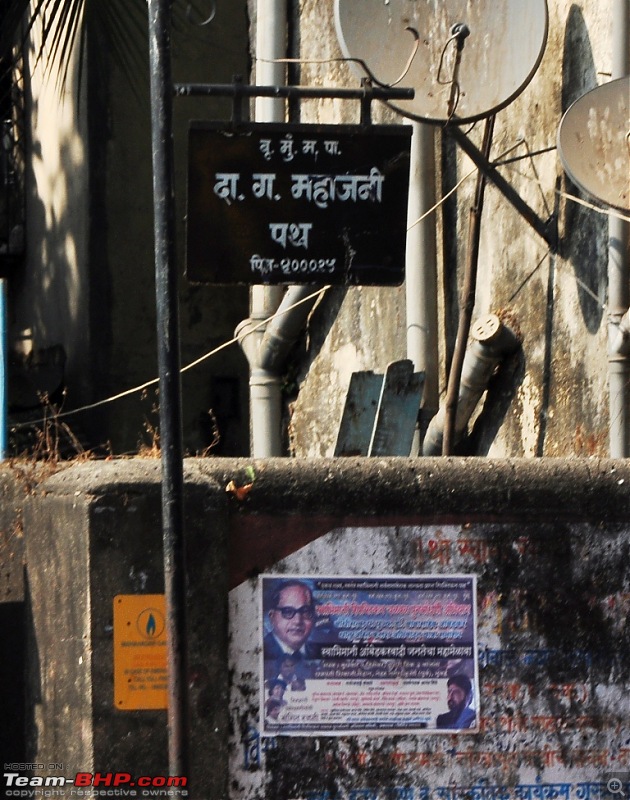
594 143
466 59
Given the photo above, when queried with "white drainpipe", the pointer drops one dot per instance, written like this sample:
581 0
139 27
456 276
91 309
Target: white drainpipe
266 349
618 272
421 273
271 44
492 342
265 395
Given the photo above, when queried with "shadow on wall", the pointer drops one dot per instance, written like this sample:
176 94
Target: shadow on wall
584 240
12 701
33 680
48 303
323 317
499 398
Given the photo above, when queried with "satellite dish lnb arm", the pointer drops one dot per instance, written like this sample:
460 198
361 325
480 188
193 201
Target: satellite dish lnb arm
460 32
546 229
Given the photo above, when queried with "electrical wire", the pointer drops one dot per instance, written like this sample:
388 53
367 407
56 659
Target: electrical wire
320 292
608 212
472 172
372 77
443 198
453 82
135 389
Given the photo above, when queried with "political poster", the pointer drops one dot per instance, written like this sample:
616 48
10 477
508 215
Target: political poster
342 655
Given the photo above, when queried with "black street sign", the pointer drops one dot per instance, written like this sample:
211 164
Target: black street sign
323 204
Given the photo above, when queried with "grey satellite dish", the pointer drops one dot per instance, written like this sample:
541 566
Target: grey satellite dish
503 43
594 143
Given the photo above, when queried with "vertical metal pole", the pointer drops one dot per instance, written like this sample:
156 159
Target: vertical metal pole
170 387
468 300
4 369
618 269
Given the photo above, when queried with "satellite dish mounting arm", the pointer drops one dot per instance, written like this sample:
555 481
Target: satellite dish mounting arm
547 229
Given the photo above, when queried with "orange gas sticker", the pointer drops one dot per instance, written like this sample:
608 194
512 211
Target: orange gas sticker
140 652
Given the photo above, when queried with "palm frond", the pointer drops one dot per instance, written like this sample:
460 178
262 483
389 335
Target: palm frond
61 31
119 25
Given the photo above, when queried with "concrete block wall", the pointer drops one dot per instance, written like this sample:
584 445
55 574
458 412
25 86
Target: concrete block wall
551 576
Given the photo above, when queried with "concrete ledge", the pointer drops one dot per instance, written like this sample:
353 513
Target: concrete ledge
437 487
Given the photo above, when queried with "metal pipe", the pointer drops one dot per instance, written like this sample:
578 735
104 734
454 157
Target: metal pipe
468 297
290 92
421 273
493 342
171 445
4 370
618 269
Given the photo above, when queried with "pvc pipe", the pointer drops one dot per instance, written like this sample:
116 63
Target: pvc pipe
264 385
618 271
620 35
265 395
421 273
283 331
266 414
4 370
493 342
271 43
620 345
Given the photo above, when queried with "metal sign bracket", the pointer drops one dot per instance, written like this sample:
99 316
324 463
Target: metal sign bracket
546 229
240 91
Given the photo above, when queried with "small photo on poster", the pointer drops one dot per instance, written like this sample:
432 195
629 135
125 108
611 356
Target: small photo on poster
389 654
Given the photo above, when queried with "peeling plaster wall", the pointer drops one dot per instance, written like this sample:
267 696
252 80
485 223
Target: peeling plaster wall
551 709
551 399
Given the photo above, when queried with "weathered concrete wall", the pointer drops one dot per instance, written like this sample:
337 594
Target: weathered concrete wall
552 699
96 535
550 399
547 539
